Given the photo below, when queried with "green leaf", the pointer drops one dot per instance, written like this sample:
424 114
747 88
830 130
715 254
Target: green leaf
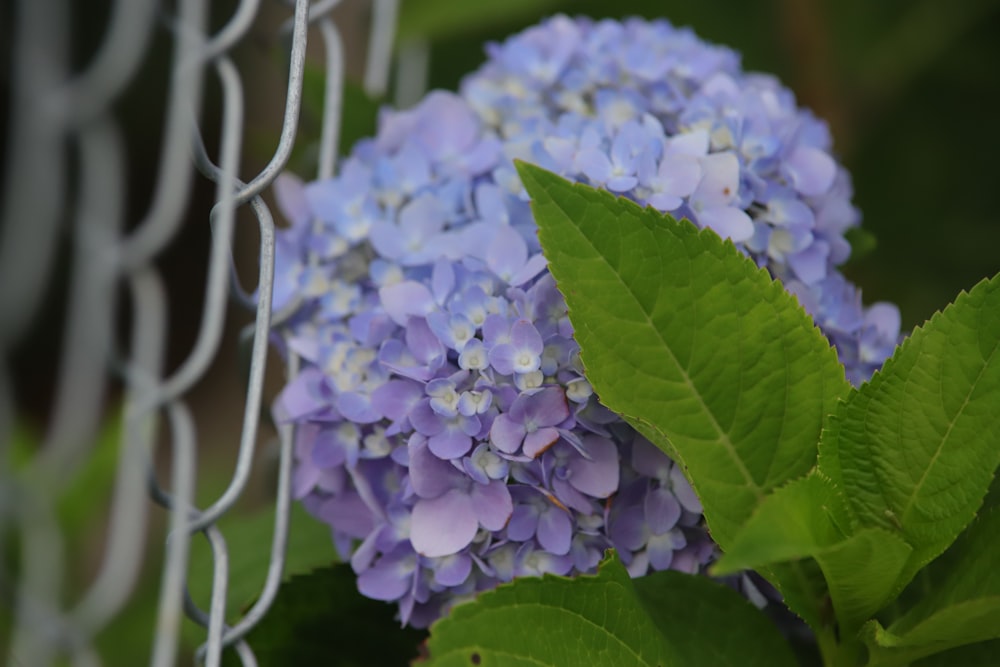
914 450
863 243
320 619
665 619
961 604
431 19
860 573
90 486
691 342
806 519
248 541
793 522
983 654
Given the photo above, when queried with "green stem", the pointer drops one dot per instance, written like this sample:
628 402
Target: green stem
838 654
827 646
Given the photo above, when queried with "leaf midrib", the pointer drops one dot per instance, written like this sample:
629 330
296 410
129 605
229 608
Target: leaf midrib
722 436
944 439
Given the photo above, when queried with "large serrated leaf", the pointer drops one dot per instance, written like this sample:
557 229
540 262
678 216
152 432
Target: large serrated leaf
805 519
662 620
691 342
961 603
914 449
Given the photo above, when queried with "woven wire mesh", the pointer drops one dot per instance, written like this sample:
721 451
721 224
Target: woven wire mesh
56 115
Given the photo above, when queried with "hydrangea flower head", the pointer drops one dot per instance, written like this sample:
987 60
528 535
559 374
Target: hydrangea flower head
446 431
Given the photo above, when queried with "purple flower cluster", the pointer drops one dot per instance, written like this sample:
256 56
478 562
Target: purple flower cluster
445 430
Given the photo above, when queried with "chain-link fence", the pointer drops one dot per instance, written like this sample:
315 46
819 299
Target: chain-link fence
66 184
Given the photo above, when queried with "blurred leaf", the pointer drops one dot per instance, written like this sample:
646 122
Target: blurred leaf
93 484
665 619
248 542
320 619
983 654
90 486
863 243
358 115
434 19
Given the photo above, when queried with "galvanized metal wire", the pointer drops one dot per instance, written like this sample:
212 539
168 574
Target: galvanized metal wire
59 119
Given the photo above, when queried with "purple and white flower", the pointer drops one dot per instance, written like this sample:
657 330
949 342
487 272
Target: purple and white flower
445 429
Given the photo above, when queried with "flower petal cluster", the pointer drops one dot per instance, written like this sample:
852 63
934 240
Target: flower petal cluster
446 431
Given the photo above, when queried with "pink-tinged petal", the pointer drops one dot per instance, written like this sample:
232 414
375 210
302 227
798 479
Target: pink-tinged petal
662 510
720 180
405 299
597 477
444 525
728 222
683 491
538 441
811 170
555 531
492 504
506 434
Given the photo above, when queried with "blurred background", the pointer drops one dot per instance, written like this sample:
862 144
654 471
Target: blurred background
911 89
